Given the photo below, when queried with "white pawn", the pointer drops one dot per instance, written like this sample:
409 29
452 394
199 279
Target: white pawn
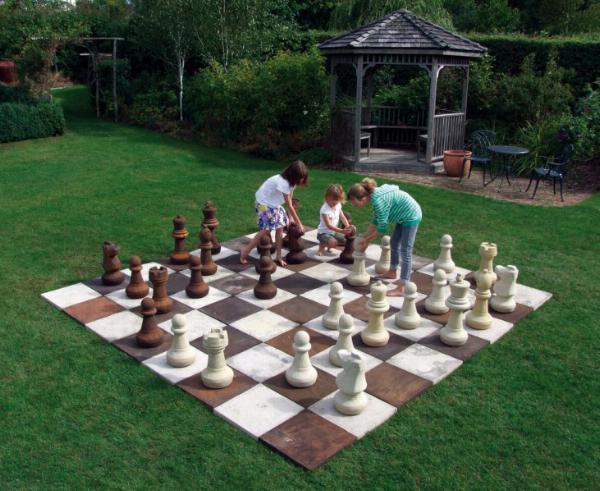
351 399
436 302
358 276
444 261
335 310
383 266
505 289
408 317
453 333
344 340
375 334
180 354
217 374
301 373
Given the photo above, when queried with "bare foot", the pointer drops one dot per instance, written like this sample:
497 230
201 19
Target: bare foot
280 262
388 275
320 253
396 292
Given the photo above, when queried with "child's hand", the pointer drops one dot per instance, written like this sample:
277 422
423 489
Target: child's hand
349 230
300 228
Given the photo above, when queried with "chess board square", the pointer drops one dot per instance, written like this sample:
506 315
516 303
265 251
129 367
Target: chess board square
312 254
358 309
394 385
321 360
230 309
369 265
70 295
321 295
159 365
129 345
96 284
234 244
464 352
373 252
318 341
310 235
423 282
426 328
309 263
260 362
116 326
326 272
215 397
398 302
232 263
299 309
308 439
214 295
298 283
146 270
92 310
234 283
165 261
531 297
359 290
305 396
437 318
238 342
280 297
498 329
425 362
512 317
316 325
223 253
120 297
428 270
211 279
394 345
419 262
376 413
264 325
277 275
258 410
177 282
198 324
177 308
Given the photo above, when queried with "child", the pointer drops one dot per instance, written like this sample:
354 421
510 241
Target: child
390 205
329 234
270 197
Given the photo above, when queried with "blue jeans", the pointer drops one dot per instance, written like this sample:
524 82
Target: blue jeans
402 242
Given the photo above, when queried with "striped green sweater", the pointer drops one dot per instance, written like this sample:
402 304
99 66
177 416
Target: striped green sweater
390 205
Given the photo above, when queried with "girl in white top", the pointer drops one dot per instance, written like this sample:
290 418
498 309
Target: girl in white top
270 213
329 234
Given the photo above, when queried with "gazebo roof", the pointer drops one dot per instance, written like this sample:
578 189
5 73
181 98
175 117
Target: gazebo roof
402 32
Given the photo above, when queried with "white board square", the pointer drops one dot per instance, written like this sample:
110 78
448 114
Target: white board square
321 295
198 324
425 362
280 297
277 275
264 325
213 295
146 270
317 325
116 326
159 365
321 360
326 272
498 329
312 253
120 297
260 362
428 269
221 273
426 328
70 295
531 297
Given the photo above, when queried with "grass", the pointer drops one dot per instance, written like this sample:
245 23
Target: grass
77 413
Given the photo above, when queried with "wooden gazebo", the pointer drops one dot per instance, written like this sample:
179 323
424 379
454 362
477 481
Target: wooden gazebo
400 38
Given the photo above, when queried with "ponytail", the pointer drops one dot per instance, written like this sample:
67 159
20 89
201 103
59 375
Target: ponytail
362 188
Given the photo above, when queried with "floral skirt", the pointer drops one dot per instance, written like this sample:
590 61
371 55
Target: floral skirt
271 218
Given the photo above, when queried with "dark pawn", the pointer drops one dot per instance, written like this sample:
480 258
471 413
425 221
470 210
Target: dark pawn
209 212
272 246
346 255
296 245
150 335
137 287
285 242
159 278
265 288
112 275
264 249
180 255
209 267
196 287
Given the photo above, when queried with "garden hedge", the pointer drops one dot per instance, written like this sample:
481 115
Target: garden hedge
24 121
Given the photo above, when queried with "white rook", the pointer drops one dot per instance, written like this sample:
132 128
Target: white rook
217 374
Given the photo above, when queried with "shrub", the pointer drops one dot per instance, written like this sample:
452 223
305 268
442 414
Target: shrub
156 109
24 121
14 94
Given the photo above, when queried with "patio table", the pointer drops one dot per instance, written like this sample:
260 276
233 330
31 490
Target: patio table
507 155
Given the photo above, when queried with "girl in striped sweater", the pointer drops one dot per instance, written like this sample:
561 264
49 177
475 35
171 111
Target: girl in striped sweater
390 206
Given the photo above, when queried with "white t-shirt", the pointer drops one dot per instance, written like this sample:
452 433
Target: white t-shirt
272 190
332 213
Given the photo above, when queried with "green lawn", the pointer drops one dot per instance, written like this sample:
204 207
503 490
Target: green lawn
75 412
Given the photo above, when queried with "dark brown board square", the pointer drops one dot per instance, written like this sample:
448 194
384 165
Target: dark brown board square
129 345
512 317
299 309
94 309
234 284
215 397
318 341
238 341
298 283
394 385
305 396
472 346
230 309
395 345
358 309
96 284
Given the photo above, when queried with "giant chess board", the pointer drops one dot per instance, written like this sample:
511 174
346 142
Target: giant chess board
302 424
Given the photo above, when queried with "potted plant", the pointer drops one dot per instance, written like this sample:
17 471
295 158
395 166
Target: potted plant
455 164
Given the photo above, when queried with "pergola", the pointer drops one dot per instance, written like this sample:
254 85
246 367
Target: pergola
400 38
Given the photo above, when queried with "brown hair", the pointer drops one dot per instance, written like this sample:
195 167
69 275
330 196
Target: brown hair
296 173
362 188
335 191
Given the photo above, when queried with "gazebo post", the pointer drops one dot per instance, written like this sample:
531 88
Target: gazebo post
358 67
465 91
435 70
333 85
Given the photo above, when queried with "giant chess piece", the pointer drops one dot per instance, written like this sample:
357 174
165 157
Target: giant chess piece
210 221
351 399
180 254
150 335
436 301
375 334
479 317
358 276
285 241
335 310
408 317
453 333
264 249
112 265
296 245
159 276
505 288
196 288
180 353
344 340
383 265
217 374
137 287
444 261
209 267
346 256
265 289
301 373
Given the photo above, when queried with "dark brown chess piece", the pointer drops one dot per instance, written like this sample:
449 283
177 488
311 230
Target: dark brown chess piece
346 255
137 287
272 246
285 242
196 287
264 249
159 276
112 265
210 221
265 288
150 335
209 267
296 245
180 255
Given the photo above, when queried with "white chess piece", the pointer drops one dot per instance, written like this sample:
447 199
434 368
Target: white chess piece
505 288
383 265
351 399
180 353
436 302
335 310
479 317
408 317
453 333
217 374
301 373
344 340
444 261
358 276
375 334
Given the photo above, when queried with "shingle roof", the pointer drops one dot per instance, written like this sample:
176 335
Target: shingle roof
402 30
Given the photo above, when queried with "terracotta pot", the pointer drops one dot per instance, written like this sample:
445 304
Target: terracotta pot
453 162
